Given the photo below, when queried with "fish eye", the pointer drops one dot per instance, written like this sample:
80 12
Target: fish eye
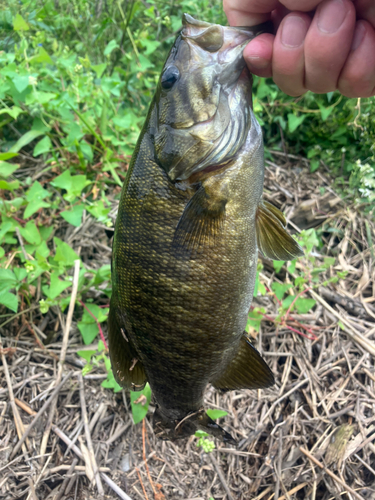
169 77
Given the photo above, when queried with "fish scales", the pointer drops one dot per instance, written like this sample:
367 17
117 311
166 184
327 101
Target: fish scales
186 239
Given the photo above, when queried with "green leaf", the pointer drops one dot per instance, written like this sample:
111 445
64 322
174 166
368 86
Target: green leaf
63 181
99 69
13 112
25 140
74 215
139 410
325 112
111 46
43 146
21 82
30 233
280 289
9 186
86 354
303 306
35 197
7 169
278 264
56 286
19 24
110 383
295 121
9 300
64 253
89 331
42 57
7 156
99 211
200 434
8 279
215 414
314 165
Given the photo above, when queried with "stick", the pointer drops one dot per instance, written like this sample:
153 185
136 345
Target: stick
88 436
19 384
350 330
66 479
221 476
78 452
39 414
64 348
17 418
330 474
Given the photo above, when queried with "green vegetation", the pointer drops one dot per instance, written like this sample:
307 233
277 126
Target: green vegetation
76 79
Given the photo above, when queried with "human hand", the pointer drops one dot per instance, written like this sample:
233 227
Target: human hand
323 46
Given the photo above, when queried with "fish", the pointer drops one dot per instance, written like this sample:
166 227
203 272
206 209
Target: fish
190 222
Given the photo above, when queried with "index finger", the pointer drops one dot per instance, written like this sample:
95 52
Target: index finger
248 12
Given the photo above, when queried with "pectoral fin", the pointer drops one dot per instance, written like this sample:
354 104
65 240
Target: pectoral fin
274 242
201 222
248 370
127 368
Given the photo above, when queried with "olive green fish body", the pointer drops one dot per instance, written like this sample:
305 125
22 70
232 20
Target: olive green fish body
186 239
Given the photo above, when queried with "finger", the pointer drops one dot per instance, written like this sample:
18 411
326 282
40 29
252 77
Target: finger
365 10
248 12
258 55
327 44
357 79
288 61
301 5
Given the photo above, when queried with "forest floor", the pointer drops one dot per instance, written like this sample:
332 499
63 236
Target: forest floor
311 435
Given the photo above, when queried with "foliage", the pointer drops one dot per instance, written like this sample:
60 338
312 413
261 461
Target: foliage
76 80
289 294
206 444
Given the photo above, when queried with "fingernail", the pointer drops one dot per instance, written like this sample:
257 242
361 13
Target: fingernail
359 35
331 16
258 62
293 31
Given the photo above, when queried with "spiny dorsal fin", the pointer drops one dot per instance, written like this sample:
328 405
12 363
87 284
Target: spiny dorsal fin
247 370
127 368
201 222
274 242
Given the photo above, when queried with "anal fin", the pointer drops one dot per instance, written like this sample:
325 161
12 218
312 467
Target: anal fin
274 242
247 370
127 368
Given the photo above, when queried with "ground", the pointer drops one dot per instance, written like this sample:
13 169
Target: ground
309 436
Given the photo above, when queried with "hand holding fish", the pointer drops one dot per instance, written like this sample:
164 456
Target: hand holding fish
319 45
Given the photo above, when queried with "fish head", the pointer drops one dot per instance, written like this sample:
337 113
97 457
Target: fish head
203 100
168 428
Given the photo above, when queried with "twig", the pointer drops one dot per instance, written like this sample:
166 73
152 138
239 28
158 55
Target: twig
23 382
66 479
140 480
38 415
331 474
144 456
78 452
88 436
17 418
64 347
221 476
350 330
20 240
115 488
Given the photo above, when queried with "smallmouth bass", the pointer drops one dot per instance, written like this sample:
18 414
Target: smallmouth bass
188 229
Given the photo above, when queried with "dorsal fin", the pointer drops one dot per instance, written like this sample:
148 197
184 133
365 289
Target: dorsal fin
274 242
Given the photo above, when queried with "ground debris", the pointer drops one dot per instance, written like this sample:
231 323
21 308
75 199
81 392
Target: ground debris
319 416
